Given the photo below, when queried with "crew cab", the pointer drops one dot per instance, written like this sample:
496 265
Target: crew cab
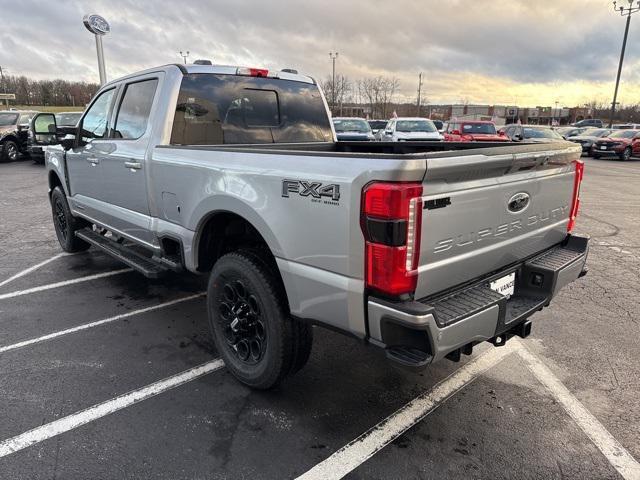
422 249
14 130
406 129
476 130
619 143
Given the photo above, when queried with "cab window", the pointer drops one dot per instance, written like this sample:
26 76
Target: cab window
133 114
94 123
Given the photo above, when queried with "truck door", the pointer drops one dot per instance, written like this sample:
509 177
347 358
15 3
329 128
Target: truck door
83 161
124 168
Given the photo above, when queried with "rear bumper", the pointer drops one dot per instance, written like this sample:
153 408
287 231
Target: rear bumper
454 321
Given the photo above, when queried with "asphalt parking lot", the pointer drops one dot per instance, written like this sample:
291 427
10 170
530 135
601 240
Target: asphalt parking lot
106 374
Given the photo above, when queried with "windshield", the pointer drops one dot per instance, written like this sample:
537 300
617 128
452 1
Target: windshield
8 119
624 134
596 132
377 124
351 125
541 132
415 126
485 128
68 119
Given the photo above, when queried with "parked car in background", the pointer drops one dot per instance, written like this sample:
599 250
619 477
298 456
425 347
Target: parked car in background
68 119
589 136
405 129
352 129
618 143
589 122
567 132
14 131
377 125
531 133
626 126
474 131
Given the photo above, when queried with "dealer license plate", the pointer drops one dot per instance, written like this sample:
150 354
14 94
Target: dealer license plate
505 285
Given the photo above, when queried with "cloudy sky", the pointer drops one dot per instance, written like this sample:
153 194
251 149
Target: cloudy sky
530 52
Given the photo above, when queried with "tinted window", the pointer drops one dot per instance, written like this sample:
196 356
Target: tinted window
133 113
217 109
351 125
540 132
415 126
8 119
486 128
377 124
94 123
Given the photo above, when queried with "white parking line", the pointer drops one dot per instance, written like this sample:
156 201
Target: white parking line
95 412
73 281
375 439
627 466
32 268
86 326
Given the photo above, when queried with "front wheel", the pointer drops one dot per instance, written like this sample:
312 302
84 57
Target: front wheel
66 224
626 154
10 151
253 332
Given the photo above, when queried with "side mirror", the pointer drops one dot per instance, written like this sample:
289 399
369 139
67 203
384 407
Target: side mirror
501 133
23 126
44 124
455 132
517 137
68 142
389 132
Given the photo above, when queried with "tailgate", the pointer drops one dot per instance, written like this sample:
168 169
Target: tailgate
488 209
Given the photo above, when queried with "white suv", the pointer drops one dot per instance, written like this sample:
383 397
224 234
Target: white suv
405 129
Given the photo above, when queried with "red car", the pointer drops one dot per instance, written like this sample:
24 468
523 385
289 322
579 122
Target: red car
621 143
474 131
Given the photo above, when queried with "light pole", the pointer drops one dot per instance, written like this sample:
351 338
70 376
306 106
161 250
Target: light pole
333 56
184 56
99 27
624 12
419 92
557 113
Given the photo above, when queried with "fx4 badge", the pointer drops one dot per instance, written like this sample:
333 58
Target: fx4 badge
315 190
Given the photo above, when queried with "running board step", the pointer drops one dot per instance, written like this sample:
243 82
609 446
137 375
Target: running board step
408 357
146 266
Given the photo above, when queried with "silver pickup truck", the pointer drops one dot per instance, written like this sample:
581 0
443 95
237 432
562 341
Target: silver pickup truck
423 249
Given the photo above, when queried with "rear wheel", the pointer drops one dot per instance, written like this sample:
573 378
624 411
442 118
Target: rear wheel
66 224
252 329
626 154
10 151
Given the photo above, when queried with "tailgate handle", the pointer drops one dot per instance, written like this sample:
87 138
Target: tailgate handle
133 164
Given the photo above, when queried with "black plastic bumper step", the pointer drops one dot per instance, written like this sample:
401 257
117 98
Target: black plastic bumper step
465 303
555 259
145 265
408 357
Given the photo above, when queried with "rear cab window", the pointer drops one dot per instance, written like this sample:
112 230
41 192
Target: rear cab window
217 109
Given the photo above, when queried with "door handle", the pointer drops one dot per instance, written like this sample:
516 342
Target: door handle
133 164
93 161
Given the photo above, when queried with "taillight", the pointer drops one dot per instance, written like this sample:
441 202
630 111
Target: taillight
575 200
252 72
391 223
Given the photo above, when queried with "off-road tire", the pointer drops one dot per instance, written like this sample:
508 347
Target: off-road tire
287 342
9 151
66 224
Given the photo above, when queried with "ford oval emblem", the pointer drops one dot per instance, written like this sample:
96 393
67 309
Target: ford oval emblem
518 202
96 24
